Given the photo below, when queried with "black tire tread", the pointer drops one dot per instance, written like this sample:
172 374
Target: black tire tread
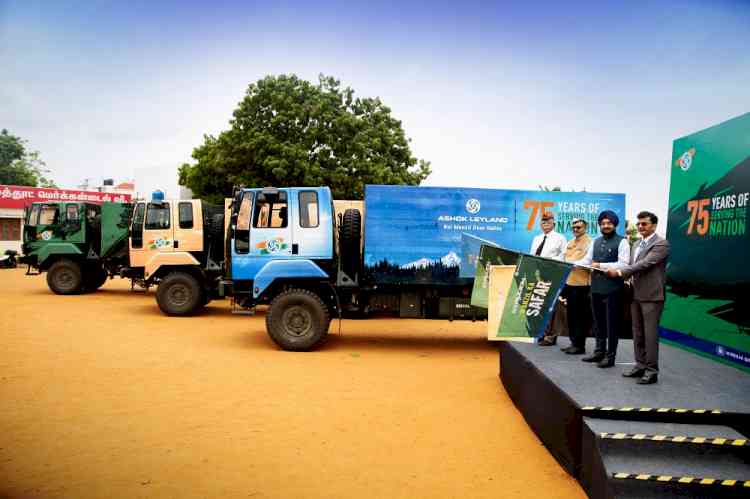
62 264
294 344
195 304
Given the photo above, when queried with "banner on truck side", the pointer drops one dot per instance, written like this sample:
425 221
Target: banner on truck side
431 235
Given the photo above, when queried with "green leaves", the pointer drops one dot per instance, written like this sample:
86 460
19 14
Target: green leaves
290 132
19 166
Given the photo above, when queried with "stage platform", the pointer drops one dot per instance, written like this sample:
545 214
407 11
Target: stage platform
686 436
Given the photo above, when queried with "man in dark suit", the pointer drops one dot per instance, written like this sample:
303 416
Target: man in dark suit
648 264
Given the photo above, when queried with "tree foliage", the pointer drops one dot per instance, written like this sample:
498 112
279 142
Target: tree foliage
18 165
290 132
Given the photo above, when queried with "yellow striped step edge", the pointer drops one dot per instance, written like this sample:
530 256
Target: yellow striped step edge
660 410
683 480
739 442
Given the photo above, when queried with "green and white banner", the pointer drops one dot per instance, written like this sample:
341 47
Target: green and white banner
531 295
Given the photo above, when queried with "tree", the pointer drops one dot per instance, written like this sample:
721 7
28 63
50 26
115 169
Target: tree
18 165
287 131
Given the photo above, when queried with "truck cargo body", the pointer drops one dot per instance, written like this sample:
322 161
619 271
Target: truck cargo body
420 243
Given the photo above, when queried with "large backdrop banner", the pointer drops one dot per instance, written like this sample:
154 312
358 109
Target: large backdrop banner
708 277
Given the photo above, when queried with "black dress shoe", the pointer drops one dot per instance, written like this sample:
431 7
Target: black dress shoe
636 372
608 362
595 357
648 379
575 351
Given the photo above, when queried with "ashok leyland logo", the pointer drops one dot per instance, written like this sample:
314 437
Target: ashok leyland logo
686 160
720 351
473 206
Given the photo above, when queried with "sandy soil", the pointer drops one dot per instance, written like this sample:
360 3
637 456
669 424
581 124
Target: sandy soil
102 396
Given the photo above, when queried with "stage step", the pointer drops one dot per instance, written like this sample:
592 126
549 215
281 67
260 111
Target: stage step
659 486
654 459
668 415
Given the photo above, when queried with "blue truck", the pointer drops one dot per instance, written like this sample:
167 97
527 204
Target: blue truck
410 251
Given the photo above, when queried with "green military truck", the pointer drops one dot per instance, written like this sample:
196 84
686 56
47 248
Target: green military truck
78 245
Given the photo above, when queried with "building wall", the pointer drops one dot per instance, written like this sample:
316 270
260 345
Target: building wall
8 217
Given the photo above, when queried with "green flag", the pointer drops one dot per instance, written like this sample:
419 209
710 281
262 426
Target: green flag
489 255
533 293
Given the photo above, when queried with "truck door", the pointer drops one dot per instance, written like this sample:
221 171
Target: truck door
137 258
268 235
311 225
157 229
72 225
188 226
48 222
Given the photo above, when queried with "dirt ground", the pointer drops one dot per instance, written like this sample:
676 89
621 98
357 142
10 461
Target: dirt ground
102 396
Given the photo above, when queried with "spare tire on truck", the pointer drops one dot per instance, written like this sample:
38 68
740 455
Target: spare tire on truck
349 242
297 320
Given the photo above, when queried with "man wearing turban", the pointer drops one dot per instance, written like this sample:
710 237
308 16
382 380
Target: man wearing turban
608 251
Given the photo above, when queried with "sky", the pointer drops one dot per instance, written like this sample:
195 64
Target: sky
581 95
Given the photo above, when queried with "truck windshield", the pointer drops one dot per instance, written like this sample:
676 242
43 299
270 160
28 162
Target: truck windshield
157 216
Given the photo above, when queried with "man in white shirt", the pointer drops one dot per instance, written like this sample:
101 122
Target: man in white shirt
549 244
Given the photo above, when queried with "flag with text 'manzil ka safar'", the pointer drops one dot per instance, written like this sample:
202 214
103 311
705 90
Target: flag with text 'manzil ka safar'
529 294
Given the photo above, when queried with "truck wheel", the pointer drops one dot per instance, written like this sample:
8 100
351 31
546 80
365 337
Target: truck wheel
297 320
94 278
179 294
65 277
349 242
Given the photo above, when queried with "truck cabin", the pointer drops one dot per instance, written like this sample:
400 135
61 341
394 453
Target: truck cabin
60 221
273 224
164 227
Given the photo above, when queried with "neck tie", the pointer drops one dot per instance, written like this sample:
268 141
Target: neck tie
539 249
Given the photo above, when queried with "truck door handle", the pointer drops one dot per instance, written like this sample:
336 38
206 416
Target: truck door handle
295 248
176 244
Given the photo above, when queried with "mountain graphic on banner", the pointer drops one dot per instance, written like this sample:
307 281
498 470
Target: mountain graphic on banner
449 260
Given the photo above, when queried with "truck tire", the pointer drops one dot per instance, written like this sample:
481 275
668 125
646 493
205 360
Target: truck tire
349 242
179 294
297 320
94 278
65 277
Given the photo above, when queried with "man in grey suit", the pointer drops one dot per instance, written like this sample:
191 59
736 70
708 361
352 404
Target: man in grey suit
648 265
